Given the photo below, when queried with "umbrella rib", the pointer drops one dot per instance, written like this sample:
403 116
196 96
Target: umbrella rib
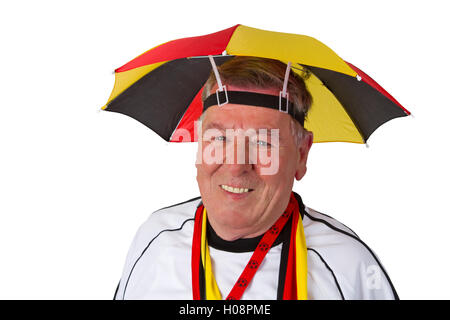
181 118
213 55
346 111
306 69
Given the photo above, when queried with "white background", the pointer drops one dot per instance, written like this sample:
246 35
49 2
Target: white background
75 183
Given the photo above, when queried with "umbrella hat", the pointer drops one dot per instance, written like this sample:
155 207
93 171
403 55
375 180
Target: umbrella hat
162 87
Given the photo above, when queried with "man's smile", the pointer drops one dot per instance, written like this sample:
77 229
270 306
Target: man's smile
235 189
235 193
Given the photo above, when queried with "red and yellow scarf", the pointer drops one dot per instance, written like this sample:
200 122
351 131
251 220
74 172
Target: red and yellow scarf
204 285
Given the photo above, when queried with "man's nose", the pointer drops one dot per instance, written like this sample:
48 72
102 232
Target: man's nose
237 156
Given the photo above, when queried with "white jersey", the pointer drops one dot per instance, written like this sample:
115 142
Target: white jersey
158 264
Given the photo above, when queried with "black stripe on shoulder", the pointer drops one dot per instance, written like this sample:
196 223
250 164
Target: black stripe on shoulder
177 204
360 241
332 273
148 245
337 222
117 289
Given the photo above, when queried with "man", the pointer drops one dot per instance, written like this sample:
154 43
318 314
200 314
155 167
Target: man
249 236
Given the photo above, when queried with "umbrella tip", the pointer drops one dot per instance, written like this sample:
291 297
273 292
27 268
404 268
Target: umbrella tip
367 145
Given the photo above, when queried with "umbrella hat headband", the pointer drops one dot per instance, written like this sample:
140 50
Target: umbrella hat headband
253 99
280 103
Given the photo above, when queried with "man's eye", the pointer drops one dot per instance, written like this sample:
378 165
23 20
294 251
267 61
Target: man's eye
263 143
219 138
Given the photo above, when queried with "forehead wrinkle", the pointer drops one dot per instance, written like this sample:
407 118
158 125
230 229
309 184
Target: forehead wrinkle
219 125
215 125
223 122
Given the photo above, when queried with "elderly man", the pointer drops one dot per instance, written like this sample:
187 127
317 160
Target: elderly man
249 236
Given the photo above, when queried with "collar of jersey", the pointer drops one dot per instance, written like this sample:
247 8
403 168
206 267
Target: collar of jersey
247 244
239 245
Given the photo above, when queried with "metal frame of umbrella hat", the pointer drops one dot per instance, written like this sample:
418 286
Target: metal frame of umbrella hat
348 105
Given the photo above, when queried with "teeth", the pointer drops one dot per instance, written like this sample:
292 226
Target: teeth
234 190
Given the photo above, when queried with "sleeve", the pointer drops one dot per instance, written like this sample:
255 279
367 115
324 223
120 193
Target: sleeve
364 277
373 282
132 257
349 263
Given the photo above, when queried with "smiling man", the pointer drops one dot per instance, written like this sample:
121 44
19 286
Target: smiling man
261 196
249 236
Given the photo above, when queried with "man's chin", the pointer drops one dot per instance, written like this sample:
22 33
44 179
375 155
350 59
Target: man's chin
235 230
236 219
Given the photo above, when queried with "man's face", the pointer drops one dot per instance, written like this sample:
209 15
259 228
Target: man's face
240 215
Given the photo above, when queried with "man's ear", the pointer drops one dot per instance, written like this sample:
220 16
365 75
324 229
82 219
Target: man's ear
305 146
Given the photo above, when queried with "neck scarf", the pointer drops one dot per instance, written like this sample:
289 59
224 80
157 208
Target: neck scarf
204 285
